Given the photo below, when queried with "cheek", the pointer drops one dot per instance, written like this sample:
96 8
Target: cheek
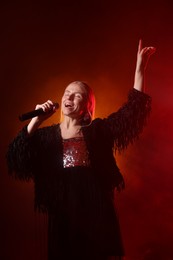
83 106
62 100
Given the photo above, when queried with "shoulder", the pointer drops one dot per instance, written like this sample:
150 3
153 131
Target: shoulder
46 132
48 129
97 123
98 128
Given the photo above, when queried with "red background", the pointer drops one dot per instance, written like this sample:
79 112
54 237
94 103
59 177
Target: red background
43 47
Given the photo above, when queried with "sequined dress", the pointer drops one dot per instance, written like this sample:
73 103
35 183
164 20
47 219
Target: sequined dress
75 152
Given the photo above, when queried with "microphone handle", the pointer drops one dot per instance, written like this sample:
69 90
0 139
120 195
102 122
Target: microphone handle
31 114
34 113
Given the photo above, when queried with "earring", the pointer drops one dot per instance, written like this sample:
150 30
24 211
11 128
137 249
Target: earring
86 117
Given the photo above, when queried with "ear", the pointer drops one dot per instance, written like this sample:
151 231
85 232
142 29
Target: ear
87 119
86 116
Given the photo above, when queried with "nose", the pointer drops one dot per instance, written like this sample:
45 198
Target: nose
70 96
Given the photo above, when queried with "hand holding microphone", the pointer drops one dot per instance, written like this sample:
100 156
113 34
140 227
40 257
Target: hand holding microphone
42 111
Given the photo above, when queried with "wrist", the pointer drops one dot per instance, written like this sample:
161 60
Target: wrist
139 82
33 125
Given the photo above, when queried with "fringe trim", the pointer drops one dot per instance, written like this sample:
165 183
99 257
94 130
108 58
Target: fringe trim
130 119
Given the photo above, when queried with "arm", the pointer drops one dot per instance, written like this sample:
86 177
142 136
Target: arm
26 154
24 150
143 56
49 109
128 122
21 156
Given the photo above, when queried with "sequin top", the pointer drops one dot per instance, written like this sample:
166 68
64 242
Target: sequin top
75 152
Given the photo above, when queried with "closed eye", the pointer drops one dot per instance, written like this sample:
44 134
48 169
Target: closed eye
78 96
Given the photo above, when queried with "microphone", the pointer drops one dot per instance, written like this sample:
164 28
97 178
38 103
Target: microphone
35 113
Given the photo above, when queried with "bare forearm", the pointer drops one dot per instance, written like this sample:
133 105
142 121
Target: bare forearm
139 80
33 126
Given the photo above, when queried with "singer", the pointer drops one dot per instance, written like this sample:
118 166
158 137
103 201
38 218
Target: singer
74 170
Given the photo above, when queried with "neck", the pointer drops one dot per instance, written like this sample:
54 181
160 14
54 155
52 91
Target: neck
69 122
70 128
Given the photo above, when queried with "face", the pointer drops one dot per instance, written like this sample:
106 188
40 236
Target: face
74 101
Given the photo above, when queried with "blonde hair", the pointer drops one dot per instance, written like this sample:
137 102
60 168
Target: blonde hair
88 115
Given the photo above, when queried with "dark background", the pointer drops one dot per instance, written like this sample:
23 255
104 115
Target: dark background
46 45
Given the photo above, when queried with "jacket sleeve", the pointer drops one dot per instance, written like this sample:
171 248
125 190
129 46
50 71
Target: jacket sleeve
24 151
128 122
20 156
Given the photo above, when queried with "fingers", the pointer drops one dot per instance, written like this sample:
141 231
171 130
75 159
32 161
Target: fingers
146 50
47 106
150 50
140 45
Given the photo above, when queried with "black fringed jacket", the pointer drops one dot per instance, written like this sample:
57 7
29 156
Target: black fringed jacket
40 157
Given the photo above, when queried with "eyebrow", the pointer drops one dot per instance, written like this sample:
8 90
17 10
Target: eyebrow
75 92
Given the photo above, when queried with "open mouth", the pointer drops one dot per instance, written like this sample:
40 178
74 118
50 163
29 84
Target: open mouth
68 105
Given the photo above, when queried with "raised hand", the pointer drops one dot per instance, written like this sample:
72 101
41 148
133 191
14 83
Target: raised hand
143 56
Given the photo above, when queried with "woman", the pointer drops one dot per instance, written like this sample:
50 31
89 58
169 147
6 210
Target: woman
74 170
